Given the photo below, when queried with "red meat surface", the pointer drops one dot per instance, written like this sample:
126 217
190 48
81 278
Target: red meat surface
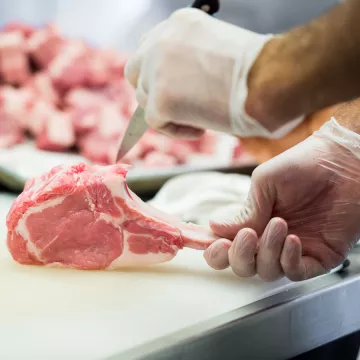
63 93
86 217
14 66
44 45
10 132
57 133
42 87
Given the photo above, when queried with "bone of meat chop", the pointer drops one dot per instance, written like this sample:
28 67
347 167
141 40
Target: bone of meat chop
85 217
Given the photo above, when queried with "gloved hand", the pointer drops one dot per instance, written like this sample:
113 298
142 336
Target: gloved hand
190 73
302 214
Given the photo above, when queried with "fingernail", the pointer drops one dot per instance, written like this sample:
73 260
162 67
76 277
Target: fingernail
290 246
277 226
244 239
217 256
215 250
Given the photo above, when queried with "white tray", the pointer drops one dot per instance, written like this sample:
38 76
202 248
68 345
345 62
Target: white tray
24 161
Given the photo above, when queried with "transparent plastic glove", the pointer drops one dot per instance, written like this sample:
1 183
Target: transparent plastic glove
302 213
190 73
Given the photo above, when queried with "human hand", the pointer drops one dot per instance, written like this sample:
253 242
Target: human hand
265 149
302 214
190 73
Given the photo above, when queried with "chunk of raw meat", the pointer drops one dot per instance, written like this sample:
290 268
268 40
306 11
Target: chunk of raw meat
64 92
154 142
159 159
97 148
101 143
57 133
44 45
15 104
206 144
99 73
68 69
83 120
84 98
14 66
39 114
26 30
86 217
111 122
11 132
42 87
123 94
92 108
115 61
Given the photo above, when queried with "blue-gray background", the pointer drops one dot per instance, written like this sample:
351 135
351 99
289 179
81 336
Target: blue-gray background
120 23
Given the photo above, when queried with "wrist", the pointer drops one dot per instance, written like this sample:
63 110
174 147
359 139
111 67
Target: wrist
285 82
274 91
348 115
340 135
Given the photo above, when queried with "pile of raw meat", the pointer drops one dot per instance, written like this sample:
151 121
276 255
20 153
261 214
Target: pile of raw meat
68 96
85 217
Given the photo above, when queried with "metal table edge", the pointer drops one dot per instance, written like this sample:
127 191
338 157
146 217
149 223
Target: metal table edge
281 326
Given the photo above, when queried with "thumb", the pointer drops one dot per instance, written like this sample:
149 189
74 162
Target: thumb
254 214
181 131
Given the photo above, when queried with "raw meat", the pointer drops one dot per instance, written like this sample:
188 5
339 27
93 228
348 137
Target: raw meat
84 106
99 72
68 69
42 88
121 93
159 159
97 148
66 94
57 133
15 104
44 45
101 143
86 217
115 61
27 31
10 132
14 66
39 114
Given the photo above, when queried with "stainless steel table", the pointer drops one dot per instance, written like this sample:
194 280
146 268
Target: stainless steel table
279 327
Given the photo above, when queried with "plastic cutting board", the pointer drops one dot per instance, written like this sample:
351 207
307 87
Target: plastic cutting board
62 314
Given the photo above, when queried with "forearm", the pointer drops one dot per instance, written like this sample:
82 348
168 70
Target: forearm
308 68
348 115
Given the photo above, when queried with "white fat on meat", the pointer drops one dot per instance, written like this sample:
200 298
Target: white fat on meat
94 222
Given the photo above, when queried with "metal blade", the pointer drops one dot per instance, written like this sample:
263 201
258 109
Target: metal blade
134 132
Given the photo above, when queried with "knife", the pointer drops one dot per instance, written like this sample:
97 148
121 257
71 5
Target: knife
138 126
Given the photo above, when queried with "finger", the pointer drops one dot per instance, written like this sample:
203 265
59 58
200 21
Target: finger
255 213
133 66
156 119
181 131
271 244
216 255
141 96
295 266
225 228
242 253
132 69
155 31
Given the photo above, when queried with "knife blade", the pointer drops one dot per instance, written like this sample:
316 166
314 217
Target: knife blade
138 126
135 130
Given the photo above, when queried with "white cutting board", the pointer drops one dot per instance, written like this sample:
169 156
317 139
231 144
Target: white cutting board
66 314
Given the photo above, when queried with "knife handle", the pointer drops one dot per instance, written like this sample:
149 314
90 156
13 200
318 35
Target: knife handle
209 6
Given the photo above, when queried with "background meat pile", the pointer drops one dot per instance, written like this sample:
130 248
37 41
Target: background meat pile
68 96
